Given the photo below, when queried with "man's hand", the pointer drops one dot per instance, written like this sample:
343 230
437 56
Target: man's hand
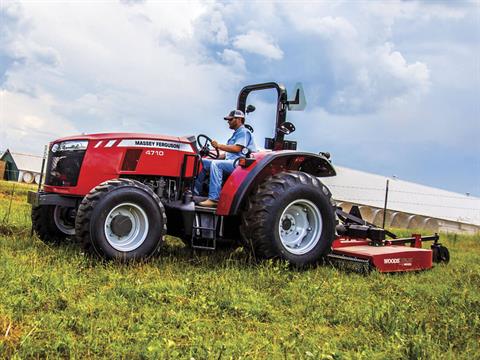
227 148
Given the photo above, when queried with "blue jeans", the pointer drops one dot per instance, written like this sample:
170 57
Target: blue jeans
216 168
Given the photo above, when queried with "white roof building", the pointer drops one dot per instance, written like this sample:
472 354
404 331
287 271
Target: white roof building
26 162
21 167
358 187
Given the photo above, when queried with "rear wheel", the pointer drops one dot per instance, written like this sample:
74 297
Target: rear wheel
121 219
440 253
53 223
289 217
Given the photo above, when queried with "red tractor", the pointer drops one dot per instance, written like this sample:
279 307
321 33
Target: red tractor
119 194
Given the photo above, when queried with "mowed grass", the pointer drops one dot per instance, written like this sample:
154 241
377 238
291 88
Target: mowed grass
57 302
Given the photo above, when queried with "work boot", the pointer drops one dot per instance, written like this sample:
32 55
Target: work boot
208 203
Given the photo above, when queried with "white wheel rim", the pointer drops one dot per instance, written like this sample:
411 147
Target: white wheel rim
138 232
300 226
68 229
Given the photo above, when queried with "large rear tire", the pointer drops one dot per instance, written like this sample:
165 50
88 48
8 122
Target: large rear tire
290 217
52 223
121 219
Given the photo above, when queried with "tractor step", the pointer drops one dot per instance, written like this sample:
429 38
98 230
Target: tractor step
204 234
349 263
205 209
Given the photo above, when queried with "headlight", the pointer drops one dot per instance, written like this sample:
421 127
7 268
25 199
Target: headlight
70 145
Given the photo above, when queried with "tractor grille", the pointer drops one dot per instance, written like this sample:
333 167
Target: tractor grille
63 167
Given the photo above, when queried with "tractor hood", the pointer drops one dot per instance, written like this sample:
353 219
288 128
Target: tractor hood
76 164
117 136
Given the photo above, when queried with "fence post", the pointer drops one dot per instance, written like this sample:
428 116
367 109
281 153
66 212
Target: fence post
385 205
7 215
45 152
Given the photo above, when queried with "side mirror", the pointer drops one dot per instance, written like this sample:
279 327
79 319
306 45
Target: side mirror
250 108
286 128
299 102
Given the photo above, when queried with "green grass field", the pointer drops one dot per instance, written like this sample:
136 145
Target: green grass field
56 302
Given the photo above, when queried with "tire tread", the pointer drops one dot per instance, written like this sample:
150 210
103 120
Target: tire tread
260 205
43 225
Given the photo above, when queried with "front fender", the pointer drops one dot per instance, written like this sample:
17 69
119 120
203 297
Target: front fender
244 180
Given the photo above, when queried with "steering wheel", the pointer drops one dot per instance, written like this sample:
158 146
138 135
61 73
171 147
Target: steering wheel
205 147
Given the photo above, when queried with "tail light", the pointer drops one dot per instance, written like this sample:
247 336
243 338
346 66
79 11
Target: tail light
245 162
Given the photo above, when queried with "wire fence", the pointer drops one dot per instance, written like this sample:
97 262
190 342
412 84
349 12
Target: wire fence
407 203
461 197
13 175
20 176
409 198
7 213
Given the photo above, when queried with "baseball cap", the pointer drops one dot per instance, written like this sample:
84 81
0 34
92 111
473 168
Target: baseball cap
235 113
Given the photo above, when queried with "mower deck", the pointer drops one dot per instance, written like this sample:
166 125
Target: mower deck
362 246
384 258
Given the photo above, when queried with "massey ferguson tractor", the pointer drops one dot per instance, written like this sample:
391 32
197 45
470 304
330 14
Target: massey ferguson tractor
119 194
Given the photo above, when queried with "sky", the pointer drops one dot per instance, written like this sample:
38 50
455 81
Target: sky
392 88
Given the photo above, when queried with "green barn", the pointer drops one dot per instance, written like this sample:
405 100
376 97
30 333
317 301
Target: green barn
11 169
21 167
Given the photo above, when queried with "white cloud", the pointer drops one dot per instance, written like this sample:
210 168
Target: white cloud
368 72
211 28
234 58
375 78
28 123
370 68
142 70
257 42
426 10
336 28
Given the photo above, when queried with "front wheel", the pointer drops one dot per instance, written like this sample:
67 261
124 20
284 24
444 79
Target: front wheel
53 223
121 219
290 217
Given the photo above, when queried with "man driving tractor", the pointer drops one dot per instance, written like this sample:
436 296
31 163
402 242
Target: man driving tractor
240 144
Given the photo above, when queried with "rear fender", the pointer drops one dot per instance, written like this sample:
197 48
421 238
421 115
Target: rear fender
244 180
